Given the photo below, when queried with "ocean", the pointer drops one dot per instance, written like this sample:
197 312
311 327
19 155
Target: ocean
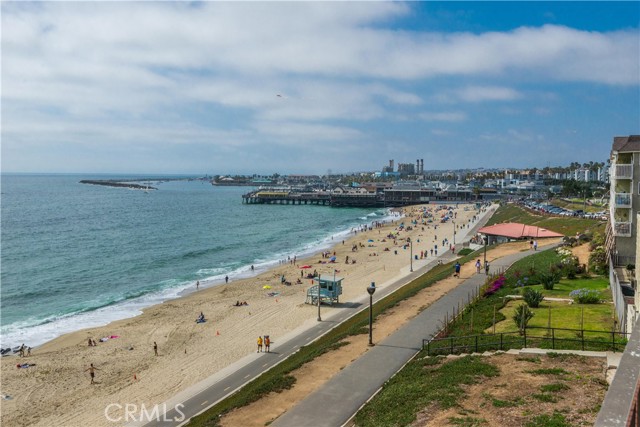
76 256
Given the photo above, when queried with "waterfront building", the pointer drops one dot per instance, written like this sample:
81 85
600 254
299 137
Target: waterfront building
622 228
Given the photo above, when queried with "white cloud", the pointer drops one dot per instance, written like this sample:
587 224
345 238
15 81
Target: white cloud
96 73
452 116
487 93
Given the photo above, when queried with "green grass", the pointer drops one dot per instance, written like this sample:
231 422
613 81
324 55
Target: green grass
564 288
544 397
278 378
465 251
420 384
597 317
567 226
553 388
555 420
467 421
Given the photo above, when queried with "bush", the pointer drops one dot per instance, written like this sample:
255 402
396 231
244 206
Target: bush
598 240
585 296
522 316
548 280
598 261
532 297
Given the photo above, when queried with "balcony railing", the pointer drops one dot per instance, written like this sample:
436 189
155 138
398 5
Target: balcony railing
623 171
622 229
622 200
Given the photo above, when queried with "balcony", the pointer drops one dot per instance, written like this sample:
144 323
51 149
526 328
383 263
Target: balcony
622 200
621 229
623 171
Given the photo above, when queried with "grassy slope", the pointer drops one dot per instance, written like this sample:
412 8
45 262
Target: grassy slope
568 226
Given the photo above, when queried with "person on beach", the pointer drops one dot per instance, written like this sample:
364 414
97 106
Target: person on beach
226 279
197 284
155 348
259 345
457 270
90 343
92 372
252 268
478 265
267 343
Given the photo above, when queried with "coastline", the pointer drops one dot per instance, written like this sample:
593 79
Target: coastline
40 334
56 391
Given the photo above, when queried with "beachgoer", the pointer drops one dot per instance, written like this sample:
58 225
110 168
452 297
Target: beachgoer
92 372
197 284
252 268
155 348
478 265
457 269
28 351
90 343
267 343
259 345
226 279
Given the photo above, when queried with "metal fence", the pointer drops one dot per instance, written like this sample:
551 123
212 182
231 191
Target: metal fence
618 298
549 338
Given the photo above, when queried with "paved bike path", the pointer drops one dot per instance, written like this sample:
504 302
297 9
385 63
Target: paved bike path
342 396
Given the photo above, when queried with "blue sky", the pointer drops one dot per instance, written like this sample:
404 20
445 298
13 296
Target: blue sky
222 87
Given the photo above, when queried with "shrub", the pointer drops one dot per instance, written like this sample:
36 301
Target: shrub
522 316
598 261
548 280
494 285
598 240
585 296
532 297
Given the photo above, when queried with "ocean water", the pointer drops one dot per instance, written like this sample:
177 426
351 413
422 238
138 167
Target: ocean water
76 255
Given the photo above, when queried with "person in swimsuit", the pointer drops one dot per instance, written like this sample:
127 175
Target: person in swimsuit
92 371
259 345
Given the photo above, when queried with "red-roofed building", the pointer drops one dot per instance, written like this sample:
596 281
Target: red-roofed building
507 231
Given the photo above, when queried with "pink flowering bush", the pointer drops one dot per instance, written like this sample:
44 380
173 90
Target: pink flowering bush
495 285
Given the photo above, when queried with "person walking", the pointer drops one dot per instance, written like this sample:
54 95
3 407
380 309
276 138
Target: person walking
456 269
197 285
226 279
267 343
478 265
535 245
92 372
155 348
259 345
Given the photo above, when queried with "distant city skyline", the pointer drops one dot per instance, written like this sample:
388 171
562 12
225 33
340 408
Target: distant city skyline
301 88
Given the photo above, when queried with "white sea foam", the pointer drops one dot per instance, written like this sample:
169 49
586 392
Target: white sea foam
35 332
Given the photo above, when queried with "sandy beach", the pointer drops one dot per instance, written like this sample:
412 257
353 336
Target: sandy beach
57 391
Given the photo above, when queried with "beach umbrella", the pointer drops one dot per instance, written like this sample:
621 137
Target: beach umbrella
266 287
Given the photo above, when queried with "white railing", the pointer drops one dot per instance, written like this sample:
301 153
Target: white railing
623 171
623 200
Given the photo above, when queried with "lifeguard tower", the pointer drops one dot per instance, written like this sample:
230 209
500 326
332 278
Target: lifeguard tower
330 290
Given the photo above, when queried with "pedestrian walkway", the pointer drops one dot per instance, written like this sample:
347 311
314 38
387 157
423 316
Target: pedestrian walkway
342 396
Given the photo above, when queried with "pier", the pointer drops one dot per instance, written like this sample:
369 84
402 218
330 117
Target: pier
323 198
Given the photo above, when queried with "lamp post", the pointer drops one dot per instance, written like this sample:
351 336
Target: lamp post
319 318
371 289
454 232
486 240
410 253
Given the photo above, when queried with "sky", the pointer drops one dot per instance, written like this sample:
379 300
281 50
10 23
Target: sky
311 87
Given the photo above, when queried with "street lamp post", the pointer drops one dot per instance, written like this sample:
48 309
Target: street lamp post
454 233
485 239
410 253
371 289
319 318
